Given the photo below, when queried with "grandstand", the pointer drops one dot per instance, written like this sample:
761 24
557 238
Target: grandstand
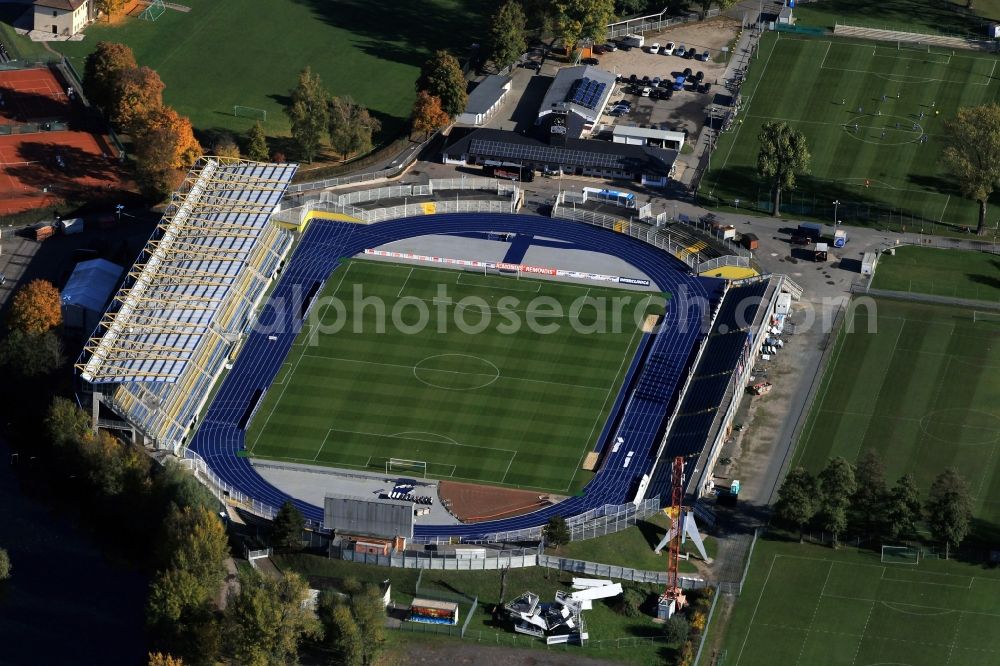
187 301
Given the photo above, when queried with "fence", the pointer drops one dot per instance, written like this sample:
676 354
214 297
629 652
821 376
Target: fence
925 298
653 23
34 127
500 559
621 573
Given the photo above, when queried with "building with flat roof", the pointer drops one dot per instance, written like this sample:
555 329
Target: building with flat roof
581 92
582 157
485 100
648 136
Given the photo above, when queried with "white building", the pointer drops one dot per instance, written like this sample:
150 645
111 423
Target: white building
580 94
647 136
62 17
485 100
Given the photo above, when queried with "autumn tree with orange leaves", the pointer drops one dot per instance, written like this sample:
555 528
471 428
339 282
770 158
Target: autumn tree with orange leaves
101 72
165 144
36 308
138 93
161 659
428 116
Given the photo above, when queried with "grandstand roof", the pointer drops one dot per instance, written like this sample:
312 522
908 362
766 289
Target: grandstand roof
185 275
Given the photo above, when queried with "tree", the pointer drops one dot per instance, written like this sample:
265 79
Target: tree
949 509
442 77
308 113
973 154
35 308
350 126
113 467
161 659
266 621
797 499
369 614
29 355
582 19
257 143
166 143
836 486
138 93
342 635
184 148
5 566
195 541
66 422
507 40
870 502
111 8
172 593
904 507
428 116
676 629
225 146
783 154
101 71
556 531
286 530
632 601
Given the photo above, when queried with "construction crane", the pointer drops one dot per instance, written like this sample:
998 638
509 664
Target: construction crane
674 550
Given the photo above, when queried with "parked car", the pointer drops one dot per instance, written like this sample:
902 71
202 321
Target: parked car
680 50
646 91
690 54
705 57
633 78
668 48
591 61
687 72
654 47
531 64
706 87
610 47
699 77
656 81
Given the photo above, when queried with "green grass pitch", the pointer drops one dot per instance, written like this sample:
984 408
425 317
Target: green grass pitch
818 86
249 52
805 604
922 391
508 405
957 273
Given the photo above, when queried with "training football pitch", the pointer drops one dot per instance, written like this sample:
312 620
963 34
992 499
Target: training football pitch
805 604
249 53
954 273
490 385
867 152
922 391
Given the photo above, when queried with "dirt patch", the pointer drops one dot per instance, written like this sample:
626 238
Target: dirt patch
472 503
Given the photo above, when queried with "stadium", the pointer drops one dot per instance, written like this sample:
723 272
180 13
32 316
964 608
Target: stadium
203 350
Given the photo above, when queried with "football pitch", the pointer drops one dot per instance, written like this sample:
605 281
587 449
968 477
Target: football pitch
224 53
804 604
955 273
922 391
505 381
864 108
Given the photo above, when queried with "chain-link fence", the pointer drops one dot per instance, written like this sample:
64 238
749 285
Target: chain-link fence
653 23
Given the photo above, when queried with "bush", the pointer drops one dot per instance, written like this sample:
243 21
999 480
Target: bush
632 602
676 629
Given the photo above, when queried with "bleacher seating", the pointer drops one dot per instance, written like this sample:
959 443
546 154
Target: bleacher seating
882 35
659 378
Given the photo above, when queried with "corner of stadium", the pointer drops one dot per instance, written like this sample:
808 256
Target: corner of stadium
187 350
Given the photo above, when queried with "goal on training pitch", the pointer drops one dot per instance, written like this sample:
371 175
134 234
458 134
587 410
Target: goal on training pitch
249 112
404 466
989 318
900 555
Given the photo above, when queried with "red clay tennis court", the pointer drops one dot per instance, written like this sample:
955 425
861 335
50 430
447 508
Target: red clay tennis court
42 159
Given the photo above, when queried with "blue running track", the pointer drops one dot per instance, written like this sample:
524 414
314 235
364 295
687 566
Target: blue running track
219 440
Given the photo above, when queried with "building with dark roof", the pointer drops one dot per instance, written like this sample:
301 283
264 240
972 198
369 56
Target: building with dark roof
582 157
485 100
62 17
581 93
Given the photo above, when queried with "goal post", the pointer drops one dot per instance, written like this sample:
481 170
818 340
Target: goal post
900 555
404 466
249 112
153 10
986 317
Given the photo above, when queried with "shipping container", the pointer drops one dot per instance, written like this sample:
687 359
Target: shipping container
811 230
840 238
749 241
868 262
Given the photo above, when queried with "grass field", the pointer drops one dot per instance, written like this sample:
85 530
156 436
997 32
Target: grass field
922 391
249 52
880 172
974 275
516 406
805 604
945 17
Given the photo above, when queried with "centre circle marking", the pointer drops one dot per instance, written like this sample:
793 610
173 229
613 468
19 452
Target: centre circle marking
984 428
490 376
871 126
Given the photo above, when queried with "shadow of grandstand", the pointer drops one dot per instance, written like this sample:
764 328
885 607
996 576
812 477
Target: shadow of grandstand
405 32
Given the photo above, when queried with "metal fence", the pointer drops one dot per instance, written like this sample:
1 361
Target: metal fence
653 23
491 561
617 572
33 127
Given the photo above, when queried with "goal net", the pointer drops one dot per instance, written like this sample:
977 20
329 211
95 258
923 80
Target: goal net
900 555
986 317
153 11
404 466
249 112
